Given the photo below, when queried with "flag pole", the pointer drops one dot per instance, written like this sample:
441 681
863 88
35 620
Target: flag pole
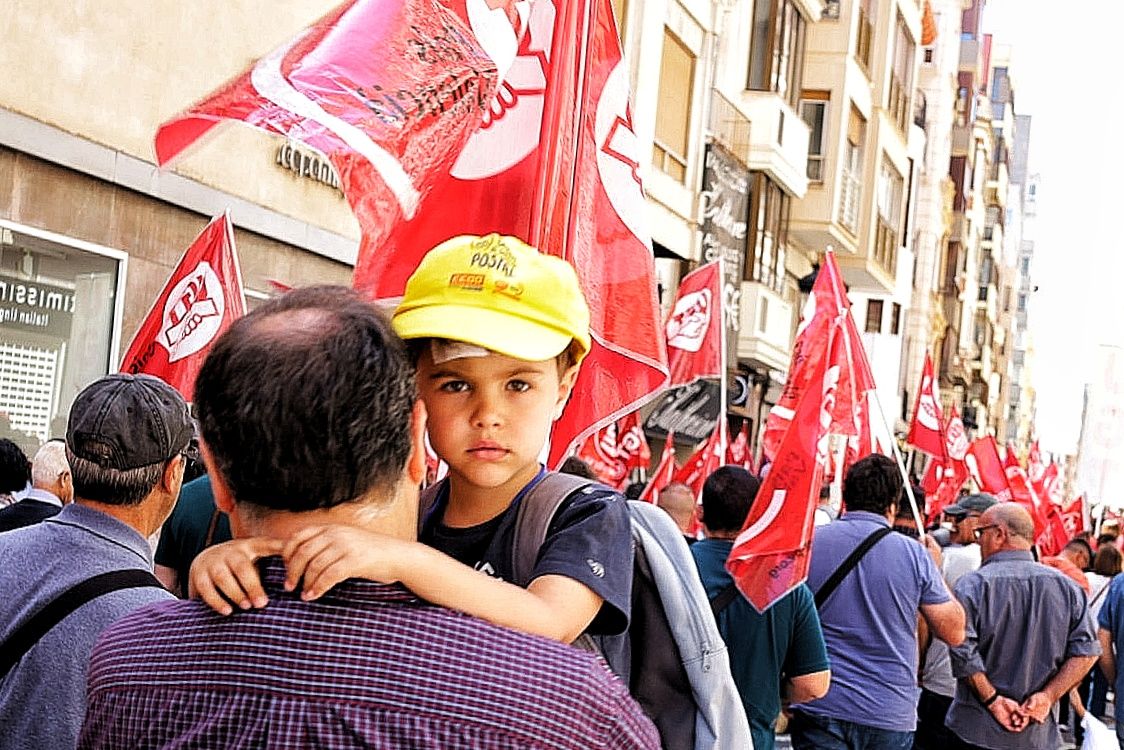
723 436
901 464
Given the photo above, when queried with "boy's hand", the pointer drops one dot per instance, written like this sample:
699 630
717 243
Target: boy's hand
326 555
225 573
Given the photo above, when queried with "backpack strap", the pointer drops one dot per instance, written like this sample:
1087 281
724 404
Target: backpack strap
532 520
28 634
848 565
724 599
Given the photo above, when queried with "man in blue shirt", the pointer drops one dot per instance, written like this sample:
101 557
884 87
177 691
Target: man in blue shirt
779 651
870 620
1110 633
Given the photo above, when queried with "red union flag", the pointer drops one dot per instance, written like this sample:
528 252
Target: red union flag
1011 456
739 453
1034 466
388 91
827 308
202 298
702 463
925 430
664 472
1074 518
556 163
770 555
694 327
615 450
986 468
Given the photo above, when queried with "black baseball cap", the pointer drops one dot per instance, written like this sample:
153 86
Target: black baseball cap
126 421
970 504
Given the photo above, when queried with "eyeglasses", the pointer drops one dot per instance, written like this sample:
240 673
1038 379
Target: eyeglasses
979 530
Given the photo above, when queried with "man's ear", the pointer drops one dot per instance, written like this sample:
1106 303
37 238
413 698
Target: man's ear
172 478
224 498
415 464
66 487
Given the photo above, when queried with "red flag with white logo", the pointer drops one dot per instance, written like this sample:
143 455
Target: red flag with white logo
615 450
1024 495
925 429
664 473
202 297
694 327
556 163
1074 517
387 91
770 556
739 453
827 307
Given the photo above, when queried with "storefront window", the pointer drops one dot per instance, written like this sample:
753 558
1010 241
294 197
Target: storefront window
58 312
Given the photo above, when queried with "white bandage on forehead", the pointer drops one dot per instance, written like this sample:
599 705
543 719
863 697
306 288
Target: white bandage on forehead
446 351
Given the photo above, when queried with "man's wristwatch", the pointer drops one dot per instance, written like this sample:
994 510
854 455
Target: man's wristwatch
992 699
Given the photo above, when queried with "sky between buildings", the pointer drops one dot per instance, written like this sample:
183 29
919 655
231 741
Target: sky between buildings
1066 72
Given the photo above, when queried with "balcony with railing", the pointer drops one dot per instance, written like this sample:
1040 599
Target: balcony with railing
729 126
886 246
778 140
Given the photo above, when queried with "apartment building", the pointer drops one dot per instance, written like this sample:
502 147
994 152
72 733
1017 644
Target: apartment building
937 94
864 155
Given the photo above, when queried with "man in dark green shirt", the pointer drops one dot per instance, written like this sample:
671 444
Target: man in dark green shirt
194 525
779 652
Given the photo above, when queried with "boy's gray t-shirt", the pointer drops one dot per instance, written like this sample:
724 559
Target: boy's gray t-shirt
43 698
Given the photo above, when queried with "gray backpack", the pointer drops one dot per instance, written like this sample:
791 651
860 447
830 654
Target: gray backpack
678 665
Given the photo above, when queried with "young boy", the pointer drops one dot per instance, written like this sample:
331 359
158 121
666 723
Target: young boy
498 331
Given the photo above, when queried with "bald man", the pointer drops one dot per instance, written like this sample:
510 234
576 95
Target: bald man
1029 639
678 501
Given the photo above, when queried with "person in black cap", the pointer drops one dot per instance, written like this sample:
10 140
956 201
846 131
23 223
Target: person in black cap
125 440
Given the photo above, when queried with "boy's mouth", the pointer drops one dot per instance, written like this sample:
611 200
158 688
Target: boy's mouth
486 450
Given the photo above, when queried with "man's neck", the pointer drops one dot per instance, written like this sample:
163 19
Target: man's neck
395 518
142 517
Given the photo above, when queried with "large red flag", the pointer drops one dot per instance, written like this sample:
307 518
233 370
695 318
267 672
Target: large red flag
826 309
986 468
664 472
695 327
389 91
771 554
925 429
202 298
555 162
1074 517
615 450
1051 487
1024 495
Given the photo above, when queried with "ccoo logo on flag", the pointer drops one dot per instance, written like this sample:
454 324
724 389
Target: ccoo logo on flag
689 321
193 313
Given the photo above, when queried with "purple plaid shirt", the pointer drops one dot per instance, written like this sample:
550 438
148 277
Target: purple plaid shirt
367 665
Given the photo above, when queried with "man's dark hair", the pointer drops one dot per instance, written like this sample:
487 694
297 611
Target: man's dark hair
15 469
727 496
634 490
1104 539
121 487
1108 561
305 403
1077 544
873 484
905 510
577 467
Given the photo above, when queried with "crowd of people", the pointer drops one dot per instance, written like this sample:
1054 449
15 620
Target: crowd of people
307 593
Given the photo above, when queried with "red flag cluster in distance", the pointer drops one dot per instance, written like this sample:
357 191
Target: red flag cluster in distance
664 472
512 119
615 450
202 297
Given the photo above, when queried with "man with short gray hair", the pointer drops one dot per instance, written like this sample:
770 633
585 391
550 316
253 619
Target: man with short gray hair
51 488
91 563
1029 639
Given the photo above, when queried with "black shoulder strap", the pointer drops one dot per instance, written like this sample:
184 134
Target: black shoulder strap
848 565
532 520
28 634
724 599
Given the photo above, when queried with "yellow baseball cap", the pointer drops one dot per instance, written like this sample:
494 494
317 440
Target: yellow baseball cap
495 292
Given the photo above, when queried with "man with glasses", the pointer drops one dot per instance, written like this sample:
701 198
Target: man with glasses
938 686
1029 640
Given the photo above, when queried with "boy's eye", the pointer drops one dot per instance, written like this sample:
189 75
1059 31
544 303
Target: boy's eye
519 386
453 386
